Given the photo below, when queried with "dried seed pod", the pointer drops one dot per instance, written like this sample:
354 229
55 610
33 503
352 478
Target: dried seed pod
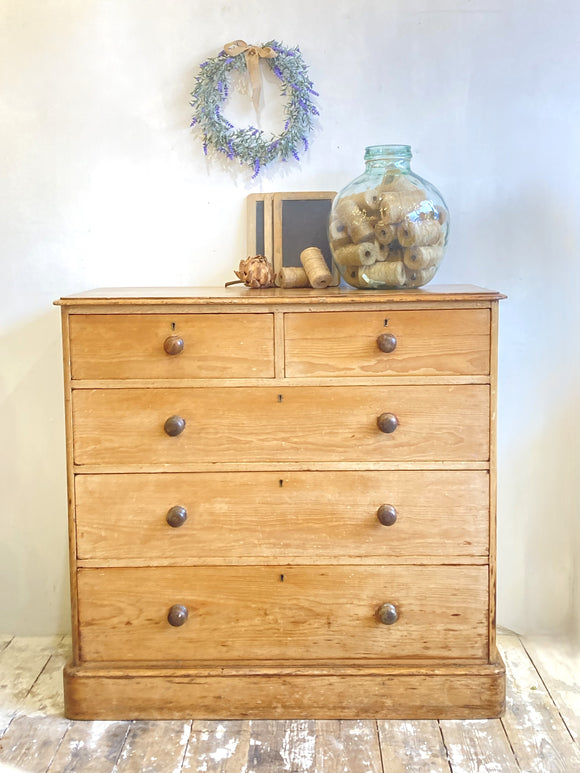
256 272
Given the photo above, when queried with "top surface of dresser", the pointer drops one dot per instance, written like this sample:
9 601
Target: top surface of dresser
192 296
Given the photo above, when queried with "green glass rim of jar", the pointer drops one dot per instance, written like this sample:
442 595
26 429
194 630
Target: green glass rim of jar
375 152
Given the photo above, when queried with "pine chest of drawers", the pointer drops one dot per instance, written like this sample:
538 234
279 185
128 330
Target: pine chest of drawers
282 503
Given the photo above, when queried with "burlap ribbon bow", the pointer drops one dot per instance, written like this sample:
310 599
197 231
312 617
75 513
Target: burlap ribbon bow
253 55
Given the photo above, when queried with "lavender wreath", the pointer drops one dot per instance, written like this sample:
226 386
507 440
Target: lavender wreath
251 145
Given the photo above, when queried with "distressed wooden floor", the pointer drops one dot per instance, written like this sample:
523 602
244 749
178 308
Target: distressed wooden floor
540 732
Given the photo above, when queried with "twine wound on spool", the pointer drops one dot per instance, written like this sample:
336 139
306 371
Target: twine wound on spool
292 276
396 181
392 274
367 200
420 233
422 257
357 225
420 277
385 233
357 254
316 268
337 234
396 205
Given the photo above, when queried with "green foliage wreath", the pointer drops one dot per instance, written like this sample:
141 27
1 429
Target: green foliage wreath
251 145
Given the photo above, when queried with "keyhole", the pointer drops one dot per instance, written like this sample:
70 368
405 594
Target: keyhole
281 578
386 323
173 325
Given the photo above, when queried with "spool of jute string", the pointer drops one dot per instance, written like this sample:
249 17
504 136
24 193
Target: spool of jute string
368 201
419 233
395 181
390 274
422 257
292 276
357 254
395 205
317 271
420 276
337 234
385 233
357 224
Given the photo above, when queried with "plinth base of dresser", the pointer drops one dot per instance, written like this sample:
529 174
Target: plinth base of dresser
394 692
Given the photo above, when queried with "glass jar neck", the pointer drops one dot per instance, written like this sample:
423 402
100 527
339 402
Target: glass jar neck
388 157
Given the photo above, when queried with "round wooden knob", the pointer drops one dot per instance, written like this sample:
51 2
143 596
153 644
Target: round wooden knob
387 614
177 615
174 425
387 515
387 422
173 344
176 516
387 342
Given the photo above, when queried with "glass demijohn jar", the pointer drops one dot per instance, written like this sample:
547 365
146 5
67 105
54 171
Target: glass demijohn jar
388 228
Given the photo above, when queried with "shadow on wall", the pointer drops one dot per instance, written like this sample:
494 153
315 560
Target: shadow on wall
33 498
538 494
530 245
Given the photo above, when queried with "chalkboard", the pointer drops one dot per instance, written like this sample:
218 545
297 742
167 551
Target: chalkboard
282 225
301 221
260 217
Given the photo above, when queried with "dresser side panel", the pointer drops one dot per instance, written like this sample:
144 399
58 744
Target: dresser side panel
69 433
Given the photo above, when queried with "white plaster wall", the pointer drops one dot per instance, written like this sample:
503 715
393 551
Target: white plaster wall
102 183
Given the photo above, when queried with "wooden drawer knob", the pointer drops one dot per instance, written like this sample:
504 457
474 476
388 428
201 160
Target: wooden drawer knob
387 342
174 425
176 516
177 615
387 515
387 422
387 614
173 344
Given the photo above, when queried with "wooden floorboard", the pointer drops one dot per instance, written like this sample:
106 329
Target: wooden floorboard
538 736
557 661
413 746
539 732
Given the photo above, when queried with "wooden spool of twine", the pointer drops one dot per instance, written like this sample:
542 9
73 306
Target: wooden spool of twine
292 276
319 275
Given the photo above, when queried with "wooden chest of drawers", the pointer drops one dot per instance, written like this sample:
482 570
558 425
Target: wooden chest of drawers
282 503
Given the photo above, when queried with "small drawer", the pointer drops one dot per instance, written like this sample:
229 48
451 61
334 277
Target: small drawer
375 343
327 424
294 516
266 613
171 346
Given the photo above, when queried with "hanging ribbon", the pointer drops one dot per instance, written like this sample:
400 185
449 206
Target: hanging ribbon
253 55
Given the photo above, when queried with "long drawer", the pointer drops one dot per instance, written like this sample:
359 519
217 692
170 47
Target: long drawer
442 342
149 346
333 424
289 515
308 613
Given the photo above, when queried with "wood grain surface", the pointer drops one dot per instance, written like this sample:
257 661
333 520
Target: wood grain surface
448 342
275 613
125 346
258 515
283 424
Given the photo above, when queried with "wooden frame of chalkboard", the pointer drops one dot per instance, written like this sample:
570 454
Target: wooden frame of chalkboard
260 239
301 221
281 225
